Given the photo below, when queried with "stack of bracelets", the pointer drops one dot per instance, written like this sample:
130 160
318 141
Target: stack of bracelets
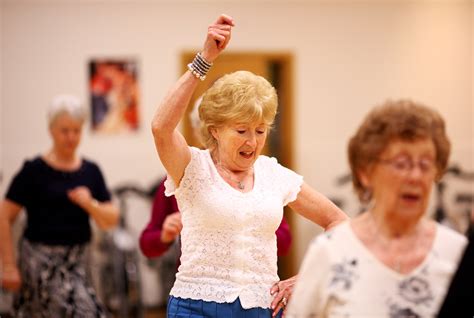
199 67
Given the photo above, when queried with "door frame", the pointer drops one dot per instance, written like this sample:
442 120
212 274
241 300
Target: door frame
280 73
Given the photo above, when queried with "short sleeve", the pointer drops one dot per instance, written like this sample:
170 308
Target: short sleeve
20 187
288 182
101 193
190 172
293 186
170 186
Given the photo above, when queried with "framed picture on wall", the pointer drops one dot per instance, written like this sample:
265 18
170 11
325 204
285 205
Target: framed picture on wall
114 95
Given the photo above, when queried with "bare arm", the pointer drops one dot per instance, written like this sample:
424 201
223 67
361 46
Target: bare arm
105 214
9 211
170 144
316 207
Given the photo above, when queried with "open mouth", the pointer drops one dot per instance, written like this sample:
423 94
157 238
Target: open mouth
411 197
246 154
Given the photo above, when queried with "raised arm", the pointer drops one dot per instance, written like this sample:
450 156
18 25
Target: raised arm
170 144
316 207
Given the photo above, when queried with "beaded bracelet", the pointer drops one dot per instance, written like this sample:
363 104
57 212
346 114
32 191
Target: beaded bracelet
199 67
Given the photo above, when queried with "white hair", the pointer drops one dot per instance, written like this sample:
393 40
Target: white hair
66 104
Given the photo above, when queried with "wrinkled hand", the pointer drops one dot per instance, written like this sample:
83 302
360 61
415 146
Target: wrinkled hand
11 279
81 196
218 36
282 291
171 227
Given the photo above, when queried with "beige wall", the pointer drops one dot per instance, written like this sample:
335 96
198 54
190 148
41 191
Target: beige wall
1 98
349 56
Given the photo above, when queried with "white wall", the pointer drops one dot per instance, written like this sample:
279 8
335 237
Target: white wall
4 300
1 99
349 56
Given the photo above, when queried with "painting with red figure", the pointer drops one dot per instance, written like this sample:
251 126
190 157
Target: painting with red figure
114 95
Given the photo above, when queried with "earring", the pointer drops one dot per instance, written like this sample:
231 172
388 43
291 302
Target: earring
367 195
367 201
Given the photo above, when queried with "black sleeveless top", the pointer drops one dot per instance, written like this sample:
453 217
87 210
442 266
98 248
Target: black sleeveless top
51 217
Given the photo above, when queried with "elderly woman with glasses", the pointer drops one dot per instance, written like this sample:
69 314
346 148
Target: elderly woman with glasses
391 260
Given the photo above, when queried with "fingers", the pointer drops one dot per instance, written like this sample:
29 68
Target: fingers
178 226
175 216
278 293
278 308
11 279
274 289
280 305
218 37
13 286
225 19
277 302
171 227
80 195
168 235
221 34
174 221
282 292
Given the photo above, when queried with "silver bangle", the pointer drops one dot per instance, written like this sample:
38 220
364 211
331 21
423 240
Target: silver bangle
199 67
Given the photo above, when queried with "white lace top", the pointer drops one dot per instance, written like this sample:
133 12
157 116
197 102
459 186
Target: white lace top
228 239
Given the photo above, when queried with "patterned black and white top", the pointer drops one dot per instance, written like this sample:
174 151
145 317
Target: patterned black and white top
340 277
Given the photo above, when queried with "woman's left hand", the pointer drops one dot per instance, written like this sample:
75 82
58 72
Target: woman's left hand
282 294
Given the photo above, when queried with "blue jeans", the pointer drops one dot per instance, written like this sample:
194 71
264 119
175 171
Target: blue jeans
189 308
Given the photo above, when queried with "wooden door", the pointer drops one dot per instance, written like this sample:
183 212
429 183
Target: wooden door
277 69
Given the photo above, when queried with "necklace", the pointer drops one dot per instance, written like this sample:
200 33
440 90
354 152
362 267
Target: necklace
397 261
240 184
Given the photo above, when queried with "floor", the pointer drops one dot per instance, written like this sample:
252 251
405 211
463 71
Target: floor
155 313
149 313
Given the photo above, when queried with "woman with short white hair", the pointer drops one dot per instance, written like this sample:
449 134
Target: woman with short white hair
60 192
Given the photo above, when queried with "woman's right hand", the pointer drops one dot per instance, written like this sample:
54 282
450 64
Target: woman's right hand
218 36
11 279
171 227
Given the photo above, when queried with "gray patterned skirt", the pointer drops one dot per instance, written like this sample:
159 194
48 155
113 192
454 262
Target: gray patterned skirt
55 282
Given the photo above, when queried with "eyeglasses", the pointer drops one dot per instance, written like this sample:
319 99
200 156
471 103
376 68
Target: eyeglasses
405 165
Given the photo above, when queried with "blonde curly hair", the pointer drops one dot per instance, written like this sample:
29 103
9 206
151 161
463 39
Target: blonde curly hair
236 97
